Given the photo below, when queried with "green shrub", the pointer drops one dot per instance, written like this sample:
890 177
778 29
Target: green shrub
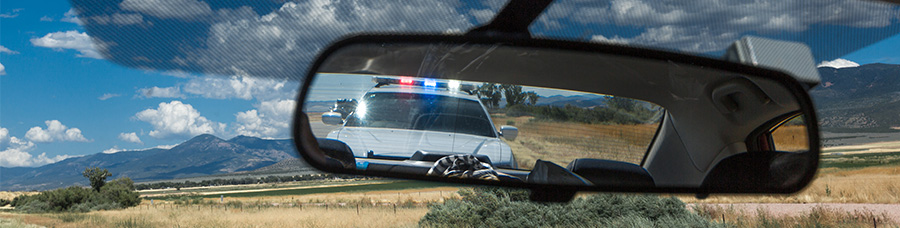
116 194
498 207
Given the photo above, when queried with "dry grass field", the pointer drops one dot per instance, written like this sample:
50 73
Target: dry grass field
562 142
397 208
791 138
880 184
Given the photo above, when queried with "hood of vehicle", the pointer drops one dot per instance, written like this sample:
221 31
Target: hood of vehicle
403 143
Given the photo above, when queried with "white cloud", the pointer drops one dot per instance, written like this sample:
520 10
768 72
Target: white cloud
168 8
113 150
55 131
165 92
12 14
178 120
107 96
271 119
482 15
838 63
241 87
702 26
4 137
46 18
130 137
7 51
17 153
74 40
284 41
71 16
614 40
2 69
127 19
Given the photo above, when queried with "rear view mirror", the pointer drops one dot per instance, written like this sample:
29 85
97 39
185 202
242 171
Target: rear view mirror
593 117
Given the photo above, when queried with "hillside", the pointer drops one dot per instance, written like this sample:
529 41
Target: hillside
200 156
864 98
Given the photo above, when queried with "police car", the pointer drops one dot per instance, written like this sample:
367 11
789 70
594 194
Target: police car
408 119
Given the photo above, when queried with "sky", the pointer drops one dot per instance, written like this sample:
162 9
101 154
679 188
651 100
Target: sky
235 71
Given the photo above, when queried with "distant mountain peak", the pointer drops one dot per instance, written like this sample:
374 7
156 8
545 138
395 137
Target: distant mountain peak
205 137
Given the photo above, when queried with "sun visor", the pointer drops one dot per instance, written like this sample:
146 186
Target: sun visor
794 58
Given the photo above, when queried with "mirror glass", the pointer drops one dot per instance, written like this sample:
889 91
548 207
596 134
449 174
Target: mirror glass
546 116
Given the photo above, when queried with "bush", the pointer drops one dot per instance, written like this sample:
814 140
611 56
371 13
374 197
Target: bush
116 194
498 207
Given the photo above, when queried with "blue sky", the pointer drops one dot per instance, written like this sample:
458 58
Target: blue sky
63 96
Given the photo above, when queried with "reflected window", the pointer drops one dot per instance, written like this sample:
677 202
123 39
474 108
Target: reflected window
791 136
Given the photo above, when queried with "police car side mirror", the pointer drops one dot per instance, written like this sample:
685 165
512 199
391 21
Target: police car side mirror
509 132
332 118
594 117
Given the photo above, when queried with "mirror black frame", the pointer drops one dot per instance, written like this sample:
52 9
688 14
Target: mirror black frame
308 148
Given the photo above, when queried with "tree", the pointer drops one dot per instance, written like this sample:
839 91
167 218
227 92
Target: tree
621 103
97 177
122 191
513 94
490 92
532 97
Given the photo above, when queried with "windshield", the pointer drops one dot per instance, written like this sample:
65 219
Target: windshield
194 100
422 112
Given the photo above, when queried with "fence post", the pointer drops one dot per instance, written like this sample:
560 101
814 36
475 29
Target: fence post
357 208
395 208
723 218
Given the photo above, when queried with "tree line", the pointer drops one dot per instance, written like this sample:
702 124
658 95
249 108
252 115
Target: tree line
491 93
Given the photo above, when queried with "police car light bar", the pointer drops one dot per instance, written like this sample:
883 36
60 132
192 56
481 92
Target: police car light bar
431 83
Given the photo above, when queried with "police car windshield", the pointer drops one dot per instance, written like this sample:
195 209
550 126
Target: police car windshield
421 112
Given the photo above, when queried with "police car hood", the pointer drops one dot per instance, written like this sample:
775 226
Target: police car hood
404 143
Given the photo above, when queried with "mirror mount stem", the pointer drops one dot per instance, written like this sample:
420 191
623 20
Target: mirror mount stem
513 19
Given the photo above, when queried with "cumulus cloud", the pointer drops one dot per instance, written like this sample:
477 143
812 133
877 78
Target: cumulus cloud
167 8
74 40
16 152
281 43
4 137
107 96
71 16
130 137
165 92
2 69
838 63
703 26
178 120
46 18
7 51
55 131
271 119
241 87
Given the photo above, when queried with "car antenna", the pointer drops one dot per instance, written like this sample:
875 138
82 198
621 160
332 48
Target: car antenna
514 18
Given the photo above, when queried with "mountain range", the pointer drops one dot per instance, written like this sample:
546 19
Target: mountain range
863 98
200 156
